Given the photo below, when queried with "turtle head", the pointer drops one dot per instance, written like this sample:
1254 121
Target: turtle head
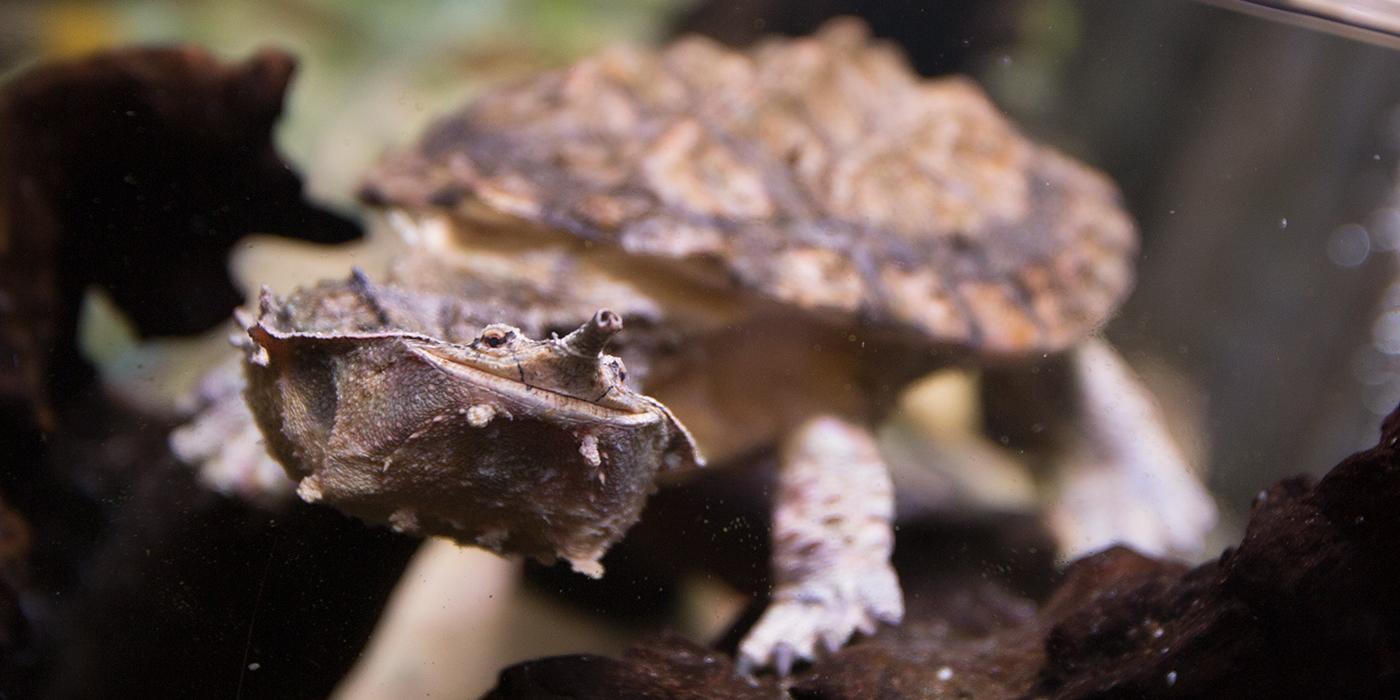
581 363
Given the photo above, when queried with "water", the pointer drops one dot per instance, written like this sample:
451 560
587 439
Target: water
851 303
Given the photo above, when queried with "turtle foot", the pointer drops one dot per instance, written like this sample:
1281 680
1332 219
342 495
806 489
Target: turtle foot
1161 514
820 617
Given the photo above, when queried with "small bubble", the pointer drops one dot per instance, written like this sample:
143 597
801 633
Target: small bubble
1171 677
1283 223
1348 245
254 666
945 674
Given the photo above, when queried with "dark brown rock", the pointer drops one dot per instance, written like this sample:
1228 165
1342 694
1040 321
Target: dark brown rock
14 579
667 668
1307 606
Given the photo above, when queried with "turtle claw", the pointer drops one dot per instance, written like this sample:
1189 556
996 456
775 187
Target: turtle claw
744 666
803 619
783 657
832 642
785 635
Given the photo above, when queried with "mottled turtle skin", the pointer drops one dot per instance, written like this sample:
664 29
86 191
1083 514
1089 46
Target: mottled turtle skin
820 173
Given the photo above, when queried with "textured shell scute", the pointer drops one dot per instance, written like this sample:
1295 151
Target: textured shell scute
822 171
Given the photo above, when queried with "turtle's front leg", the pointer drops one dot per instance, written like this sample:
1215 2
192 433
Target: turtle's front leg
832 538
1122 478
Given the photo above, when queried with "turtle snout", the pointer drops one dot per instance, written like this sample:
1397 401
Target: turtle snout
590 339
607 321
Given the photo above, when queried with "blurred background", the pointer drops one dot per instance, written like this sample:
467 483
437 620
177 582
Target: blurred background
1259 156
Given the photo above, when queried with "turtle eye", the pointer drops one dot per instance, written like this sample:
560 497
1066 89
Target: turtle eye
495 338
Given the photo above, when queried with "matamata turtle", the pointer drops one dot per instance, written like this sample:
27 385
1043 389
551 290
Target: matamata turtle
794 232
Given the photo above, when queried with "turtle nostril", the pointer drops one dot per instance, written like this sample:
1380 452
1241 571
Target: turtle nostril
608 320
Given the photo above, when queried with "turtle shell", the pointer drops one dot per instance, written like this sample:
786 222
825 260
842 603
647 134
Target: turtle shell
819 172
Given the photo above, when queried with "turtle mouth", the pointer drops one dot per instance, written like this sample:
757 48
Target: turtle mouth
555 404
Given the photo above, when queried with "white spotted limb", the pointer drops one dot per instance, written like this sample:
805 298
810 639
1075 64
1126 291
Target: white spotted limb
832 539
1124 479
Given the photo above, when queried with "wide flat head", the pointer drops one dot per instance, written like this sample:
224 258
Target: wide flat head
818 172
522 446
